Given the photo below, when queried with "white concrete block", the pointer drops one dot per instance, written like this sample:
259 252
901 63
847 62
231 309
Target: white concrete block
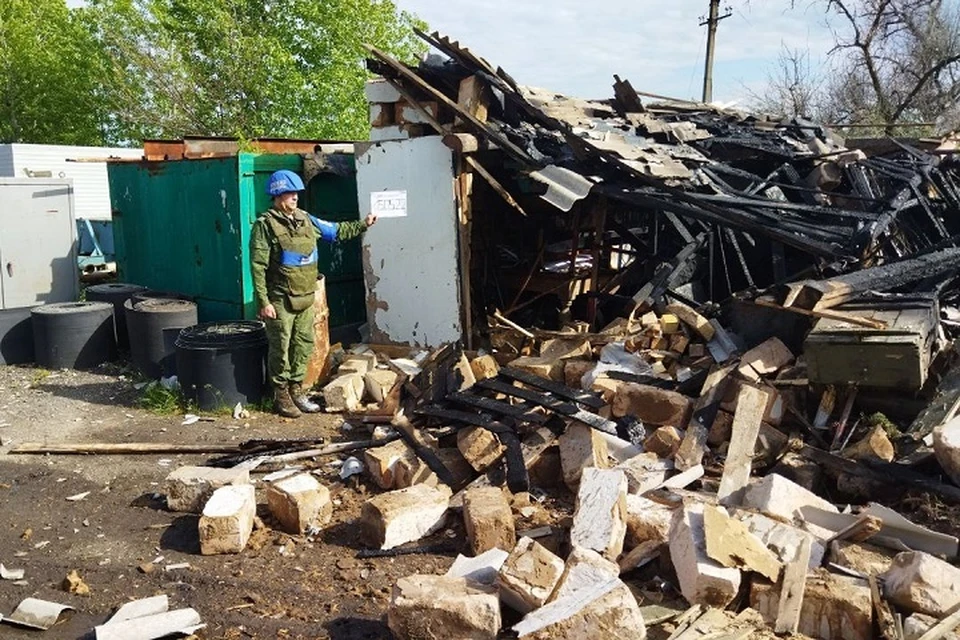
378 383
600 519
488 520
529 576
606 610
645 471
584 569
382 462
189 488
581 447
482 568
834 607
397 517
227 520
783 539
702 580
344 393
946 446
923 583
299 502
779 497
918 624
479 446
647 520
428 606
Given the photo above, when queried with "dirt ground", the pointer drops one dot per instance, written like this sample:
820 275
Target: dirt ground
279 587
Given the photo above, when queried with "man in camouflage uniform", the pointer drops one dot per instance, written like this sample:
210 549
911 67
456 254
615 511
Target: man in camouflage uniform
283 250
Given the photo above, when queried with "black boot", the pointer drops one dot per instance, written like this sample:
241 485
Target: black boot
284 403
302 400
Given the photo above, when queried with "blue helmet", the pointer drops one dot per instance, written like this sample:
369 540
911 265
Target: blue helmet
283 181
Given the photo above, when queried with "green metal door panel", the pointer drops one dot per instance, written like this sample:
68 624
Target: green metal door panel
254 170
334 197
184 225
178 228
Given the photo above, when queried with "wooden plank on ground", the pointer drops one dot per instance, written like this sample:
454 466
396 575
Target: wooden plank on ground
949 622
885 473
496 406
751 404
884 614
791 590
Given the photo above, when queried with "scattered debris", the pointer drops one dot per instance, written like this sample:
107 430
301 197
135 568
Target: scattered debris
189 488
73 583
11 574
149 619
227 519
36 614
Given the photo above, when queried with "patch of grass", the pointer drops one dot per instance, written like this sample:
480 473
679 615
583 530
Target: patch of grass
159 400
264 406
880 420
39 376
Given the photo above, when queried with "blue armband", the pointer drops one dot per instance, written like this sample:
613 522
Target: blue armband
328 230
294 259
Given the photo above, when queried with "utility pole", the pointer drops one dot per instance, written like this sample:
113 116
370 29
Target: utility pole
711 23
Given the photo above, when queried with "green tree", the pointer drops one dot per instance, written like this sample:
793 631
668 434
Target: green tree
50 70
247 68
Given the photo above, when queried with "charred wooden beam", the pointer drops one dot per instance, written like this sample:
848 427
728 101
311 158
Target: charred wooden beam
587 398
521 413
467 417
823 294
885 473
546 401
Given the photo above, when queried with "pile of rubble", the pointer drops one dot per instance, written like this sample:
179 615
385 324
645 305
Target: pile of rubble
752 349
651 475
668 499
753 337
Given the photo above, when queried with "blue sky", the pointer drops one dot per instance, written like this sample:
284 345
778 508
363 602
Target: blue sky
575 47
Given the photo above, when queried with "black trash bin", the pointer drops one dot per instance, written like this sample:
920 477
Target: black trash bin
116 293
147 319
73 335
222 363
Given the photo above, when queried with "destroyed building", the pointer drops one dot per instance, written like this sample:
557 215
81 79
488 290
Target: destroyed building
692 315
653 368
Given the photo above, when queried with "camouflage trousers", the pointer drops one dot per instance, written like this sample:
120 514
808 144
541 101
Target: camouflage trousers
290 340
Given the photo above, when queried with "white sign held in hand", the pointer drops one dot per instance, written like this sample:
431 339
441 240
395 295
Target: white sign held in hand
388 204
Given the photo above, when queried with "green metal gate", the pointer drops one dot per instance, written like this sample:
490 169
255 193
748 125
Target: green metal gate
184 225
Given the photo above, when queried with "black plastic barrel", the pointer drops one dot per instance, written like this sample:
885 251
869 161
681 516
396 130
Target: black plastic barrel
146 321
116 293
73 335
16 336
222 363
153 294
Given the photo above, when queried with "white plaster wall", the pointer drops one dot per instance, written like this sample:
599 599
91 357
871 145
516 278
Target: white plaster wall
411 264
91 186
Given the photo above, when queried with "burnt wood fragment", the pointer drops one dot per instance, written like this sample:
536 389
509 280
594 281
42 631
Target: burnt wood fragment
588 398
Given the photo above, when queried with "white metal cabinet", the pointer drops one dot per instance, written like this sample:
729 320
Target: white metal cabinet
38 258
411 263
